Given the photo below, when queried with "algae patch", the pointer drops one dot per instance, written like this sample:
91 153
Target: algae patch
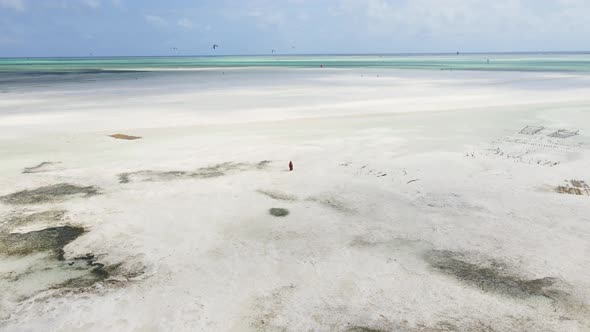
363 329
50 217
278 212
39 264
40 168
490 276
53 193
50 239
332 202
263 164
277 195
213 171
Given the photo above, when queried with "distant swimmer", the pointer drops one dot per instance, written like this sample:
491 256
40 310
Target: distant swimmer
290 166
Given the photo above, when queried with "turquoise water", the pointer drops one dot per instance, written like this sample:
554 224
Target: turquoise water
573 62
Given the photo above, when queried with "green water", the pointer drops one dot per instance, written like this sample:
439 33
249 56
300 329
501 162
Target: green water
572 62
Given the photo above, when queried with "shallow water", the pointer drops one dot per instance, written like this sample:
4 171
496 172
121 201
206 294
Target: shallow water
571 62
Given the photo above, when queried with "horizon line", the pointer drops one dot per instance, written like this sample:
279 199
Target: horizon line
296 54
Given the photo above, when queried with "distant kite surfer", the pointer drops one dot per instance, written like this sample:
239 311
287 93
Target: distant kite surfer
215 46
290 166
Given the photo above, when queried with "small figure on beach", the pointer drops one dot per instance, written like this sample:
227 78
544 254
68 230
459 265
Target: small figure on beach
290 166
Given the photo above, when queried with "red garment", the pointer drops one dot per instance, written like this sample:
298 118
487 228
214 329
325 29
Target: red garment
290 166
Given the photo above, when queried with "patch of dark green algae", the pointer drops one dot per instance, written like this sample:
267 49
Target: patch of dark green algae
278 212
48 194
50 216
52 239
363 329
492 277
213 171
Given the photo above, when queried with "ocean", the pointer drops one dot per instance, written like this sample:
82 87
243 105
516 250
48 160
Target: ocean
553 62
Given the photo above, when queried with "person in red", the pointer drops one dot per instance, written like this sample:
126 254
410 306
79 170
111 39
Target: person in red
290 165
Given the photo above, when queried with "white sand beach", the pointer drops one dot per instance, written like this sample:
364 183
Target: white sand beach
419 201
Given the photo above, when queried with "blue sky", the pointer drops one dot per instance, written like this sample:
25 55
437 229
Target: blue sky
155 27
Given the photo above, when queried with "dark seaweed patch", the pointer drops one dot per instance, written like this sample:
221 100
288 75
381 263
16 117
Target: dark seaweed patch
38 168
263 164
491 277
278 212
152 176
331 202
50 239
46 194
277 195
363 329
97 272
200 173
52 216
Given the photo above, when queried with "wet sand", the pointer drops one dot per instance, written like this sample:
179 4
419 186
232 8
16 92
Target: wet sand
419 201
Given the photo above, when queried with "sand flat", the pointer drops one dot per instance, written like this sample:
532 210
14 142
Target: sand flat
420 201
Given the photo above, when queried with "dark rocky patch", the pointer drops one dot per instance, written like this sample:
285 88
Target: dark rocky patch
490 276
564 133
52 239
278 212
574 187
531 130
47 194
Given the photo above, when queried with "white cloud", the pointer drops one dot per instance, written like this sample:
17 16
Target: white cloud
185 23
155 20
473 18
13 4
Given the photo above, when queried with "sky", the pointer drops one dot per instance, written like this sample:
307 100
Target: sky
34 28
